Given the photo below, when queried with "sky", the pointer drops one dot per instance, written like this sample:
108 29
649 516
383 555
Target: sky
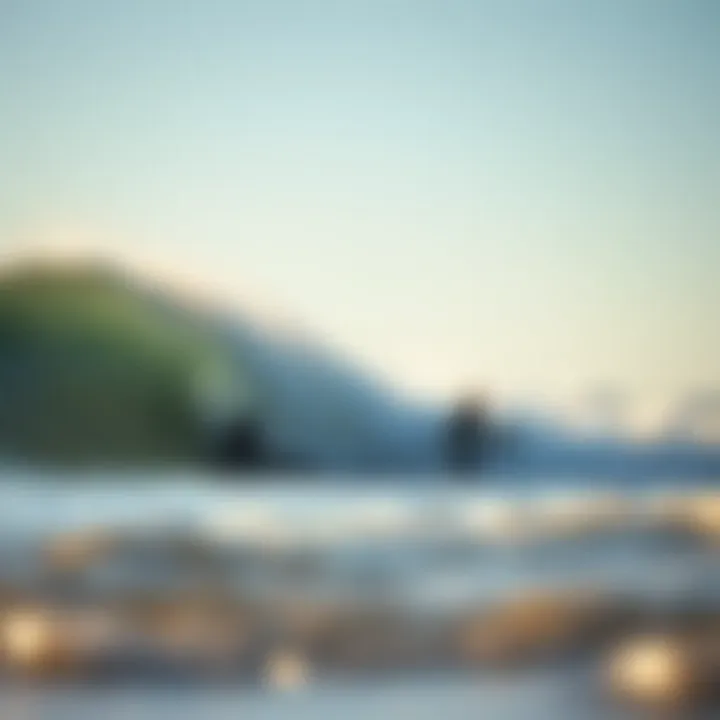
519 195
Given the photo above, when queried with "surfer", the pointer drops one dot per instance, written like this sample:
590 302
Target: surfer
242 445
467 435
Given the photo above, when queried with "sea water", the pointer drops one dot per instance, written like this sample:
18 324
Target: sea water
438 543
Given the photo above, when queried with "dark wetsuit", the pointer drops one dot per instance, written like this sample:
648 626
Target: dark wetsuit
241 445
466 441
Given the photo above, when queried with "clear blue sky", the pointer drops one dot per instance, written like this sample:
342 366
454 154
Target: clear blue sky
519 193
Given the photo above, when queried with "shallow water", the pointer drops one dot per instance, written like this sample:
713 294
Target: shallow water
439 541
430 543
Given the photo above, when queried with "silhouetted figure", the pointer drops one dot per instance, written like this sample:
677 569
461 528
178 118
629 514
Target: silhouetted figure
241 445
467 435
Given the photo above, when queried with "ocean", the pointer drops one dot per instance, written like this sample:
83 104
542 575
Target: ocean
431 543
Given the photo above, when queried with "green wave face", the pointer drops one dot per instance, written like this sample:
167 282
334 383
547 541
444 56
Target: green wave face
93 369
